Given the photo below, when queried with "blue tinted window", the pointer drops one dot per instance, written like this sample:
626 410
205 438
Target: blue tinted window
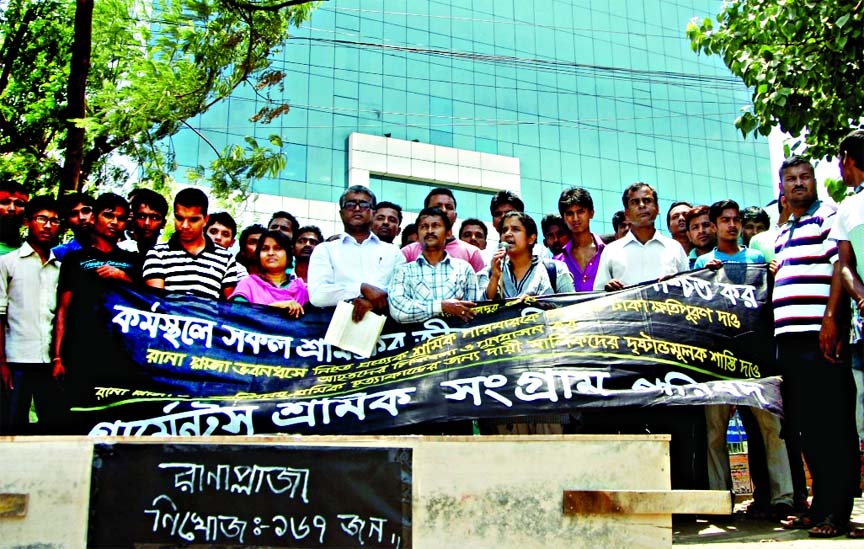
584 92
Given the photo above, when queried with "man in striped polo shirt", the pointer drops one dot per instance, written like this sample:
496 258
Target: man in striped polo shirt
190 262
809 306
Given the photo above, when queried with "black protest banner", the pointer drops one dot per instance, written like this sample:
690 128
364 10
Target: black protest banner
249 496
178 365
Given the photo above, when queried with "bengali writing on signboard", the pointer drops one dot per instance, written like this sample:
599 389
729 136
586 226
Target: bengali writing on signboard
250 496
189 332
689 339
492 392
438 344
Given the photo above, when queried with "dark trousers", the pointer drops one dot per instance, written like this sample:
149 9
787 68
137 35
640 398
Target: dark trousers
34 382
819 405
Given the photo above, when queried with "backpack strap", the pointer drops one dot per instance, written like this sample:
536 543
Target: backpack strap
552 271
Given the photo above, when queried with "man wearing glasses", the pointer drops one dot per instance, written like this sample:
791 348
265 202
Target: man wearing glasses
356 267
77 213
28 295
643 254
13 198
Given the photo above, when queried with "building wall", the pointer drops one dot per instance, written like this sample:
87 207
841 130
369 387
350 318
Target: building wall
592 93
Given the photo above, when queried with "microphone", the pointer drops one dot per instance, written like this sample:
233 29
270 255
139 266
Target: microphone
506 247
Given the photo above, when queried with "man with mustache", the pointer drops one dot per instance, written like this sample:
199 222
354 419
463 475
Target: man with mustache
677 223
307 238
434 283
811 330
643 253
444 199
357 265
701 232
387 221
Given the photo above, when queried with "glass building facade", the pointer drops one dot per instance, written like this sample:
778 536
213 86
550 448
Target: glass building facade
590 93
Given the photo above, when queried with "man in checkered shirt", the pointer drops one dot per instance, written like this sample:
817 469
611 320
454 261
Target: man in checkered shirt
435 282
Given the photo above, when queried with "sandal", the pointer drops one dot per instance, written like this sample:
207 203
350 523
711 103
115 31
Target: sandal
780 512
828 529
794 522
759 512
856 533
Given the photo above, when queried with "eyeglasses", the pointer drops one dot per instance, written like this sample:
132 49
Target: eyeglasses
44 220
8 202
357 204
151 217
638 201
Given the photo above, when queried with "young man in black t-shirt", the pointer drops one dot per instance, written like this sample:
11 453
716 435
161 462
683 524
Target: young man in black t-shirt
84 272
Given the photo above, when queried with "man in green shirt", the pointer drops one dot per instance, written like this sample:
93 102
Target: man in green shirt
13 198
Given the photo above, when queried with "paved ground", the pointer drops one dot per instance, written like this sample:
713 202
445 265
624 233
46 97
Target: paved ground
742 533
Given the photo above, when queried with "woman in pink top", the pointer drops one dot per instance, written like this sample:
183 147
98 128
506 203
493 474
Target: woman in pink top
273 285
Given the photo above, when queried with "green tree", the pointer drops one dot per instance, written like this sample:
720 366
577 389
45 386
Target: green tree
153 66
801 58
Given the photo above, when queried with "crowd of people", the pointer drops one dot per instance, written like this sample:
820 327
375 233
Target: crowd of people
439 270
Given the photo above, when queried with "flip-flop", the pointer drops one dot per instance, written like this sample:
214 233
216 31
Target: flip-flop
856 533
794 522
828 529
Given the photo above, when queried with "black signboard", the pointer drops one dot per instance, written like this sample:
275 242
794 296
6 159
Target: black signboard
249 496
149 363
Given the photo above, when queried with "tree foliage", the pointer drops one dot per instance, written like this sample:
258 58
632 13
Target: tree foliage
801 58
154 65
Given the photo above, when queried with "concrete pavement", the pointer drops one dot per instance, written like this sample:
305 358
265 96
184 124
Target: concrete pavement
744 533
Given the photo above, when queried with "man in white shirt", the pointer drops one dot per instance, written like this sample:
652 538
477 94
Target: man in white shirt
643 254
358 265
28 300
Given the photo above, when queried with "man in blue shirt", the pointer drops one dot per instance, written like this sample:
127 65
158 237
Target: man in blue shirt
726 216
